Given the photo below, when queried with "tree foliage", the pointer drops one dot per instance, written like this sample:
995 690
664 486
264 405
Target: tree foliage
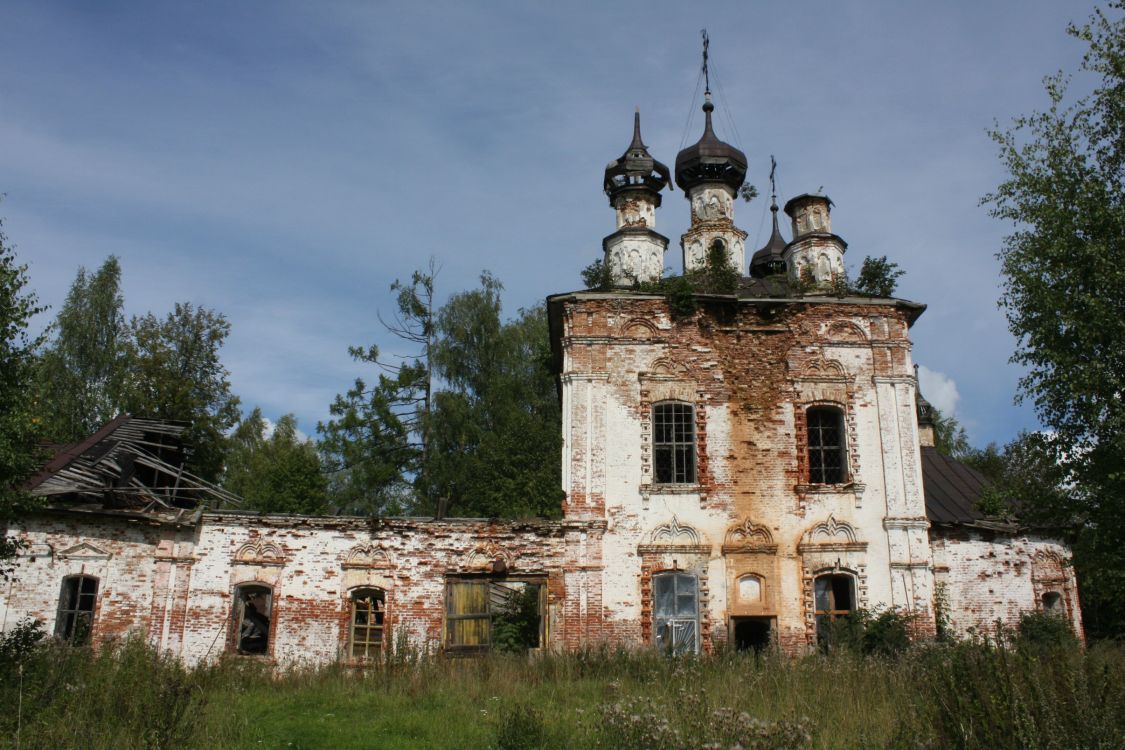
1064 298
878 277
277 472
378 437
19 427
497 443
950 438
172 371
485 443
81 370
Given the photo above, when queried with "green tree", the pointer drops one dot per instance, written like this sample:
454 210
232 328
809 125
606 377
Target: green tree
496 425
172 371
80 371
487 443
950 438
378 437
1064 297
276 473
19 427
878 277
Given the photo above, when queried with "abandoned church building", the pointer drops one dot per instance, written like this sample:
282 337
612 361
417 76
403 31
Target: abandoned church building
736 473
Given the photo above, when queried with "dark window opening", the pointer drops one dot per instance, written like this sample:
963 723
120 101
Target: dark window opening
752 633
835 598
826 445
1052 601
76 609
253 607
485 614
368 612
676 612
673 443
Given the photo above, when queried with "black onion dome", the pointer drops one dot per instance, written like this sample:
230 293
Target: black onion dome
710 160
770 260
635 168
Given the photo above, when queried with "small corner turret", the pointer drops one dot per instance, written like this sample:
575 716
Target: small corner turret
635 252
815 254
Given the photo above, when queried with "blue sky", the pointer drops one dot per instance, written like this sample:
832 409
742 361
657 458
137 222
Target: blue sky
285 162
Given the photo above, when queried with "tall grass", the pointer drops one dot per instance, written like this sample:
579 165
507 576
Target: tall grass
972 695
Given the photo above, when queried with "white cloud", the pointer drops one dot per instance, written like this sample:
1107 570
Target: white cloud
939 389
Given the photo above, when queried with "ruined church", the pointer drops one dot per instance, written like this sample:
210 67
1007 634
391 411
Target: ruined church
738 472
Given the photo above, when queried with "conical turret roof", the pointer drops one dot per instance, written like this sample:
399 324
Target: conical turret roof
635 168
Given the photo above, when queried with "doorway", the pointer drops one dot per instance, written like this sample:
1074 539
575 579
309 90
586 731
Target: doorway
752 633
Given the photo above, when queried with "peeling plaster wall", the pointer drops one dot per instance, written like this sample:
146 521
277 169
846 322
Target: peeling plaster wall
750 369
990 577
174 585
750 373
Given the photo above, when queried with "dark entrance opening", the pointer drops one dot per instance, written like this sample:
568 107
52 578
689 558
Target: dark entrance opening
752 633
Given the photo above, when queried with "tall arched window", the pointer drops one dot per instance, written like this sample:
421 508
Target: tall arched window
673 443
835 598
827 454
676 612
253 610
369 608
76 609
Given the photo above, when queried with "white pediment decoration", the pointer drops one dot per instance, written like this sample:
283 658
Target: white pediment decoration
831 531
674 533
260 551
84 551
367 556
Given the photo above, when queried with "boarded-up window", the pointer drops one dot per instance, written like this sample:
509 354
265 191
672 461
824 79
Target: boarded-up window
676 612
253 608
481 614
827 464
673 443
368 612
76 609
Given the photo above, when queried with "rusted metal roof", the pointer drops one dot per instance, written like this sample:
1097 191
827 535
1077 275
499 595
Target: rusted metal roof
130 463
952 489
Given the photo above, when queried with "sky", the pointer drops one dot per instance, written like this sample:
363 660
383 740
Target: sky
284 162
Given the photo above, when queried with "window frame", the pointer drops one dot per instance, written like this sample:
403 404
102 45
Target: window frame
487 614
817 470
674 446
831 613
371 649
668 623
71 610
238 618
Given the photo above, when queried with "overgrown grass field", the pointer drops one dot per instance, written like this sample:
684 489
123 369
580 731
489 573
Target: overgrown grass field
931 696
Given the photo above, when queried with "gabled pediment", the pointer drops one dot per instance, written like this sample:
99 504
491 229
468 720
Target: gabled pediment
83 551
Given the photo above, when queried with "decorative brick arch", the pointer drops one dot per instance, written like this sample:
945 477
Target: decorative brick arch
490 556
748 536
367 556
260 551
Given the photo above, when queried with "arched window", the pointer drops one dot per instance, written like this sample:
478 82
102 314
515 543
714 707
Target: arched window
369 607
253 610
676 612
673 443
76 609
827 455
835 598
1052 601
